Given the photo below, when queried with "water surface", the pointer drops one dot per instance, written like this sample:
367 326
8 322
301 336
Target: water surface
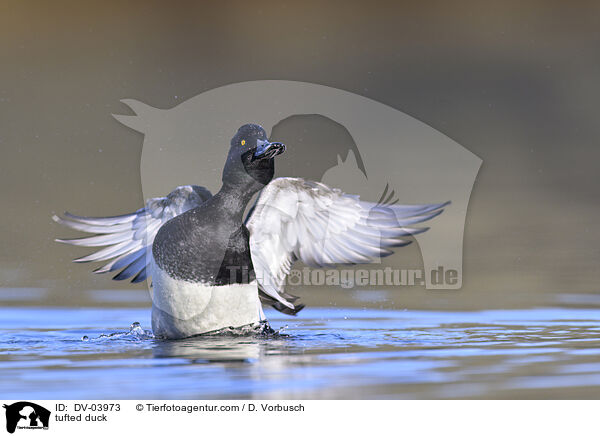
323 353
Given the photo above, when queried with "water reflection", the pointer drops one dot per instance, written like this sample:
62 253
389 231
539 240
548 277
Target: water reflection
208 349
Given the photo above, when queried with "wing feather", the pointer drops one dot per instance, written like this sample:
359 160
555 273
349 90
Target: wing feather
127 239
295 219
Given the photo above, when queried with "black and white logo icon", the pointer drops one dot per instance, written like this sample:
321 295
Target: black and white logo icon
26 415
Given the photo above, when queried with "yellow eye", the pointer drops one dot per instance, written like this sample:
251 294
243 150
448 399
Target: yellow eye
243 142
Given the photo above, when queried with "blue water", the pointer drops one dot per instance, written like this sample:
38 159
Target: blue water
323 353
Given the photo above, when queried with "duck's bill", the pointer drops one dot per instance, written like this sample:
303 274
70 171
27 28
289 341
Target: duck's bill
267 150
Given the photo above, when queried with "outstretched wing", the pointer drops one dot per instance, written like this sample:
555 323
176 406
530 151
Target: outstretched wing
127 239
296 219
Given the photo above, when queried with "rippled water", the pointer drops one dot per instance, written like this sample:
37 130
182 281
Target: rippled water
324 353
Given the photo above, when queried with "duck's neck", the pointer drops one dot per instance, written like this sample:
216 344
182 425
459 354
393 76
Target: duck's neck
234 199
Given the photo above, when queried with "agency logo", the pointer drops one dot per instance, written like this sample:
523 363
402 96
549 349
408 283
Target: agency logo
26 415
344 140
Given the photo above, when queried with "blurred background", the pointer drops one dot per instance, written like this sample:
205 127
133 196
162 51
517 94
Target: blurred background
516 83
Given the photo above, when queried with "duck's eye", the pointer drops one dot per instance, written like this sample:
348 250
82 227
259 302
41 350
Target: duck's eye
243 142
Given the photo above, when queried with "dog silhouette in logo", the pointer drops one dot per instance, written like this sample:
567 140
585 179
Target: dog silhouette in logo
316 144
26 414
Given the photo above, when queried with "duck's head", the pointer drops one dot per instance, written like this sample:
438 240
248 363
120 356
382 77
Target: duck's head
251 158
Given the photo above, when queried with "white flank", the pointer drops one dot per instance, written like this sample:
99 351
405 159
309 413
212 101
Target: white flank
181 309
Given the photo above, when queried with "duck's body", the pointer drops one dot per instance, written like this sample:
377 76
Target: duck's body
203 278
209 271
